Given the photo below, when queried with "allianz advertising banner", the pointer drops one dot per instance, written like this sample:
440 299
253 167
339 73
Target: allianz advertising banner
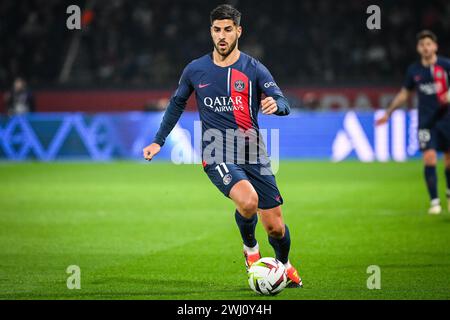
334 136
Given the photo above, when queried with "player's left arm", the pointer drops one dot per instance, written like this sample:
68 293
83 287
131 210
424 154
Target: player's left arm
275 102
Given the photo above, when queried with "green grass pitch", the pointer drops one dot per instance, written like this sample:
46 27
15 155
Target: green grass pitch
162 231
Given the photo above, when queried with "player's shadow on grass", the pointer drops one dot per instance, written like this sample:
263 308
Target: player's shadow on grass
165 287
446 219
132 288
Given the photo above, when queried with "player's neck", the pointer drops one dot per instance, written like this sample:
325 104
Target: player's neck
430 61
230 59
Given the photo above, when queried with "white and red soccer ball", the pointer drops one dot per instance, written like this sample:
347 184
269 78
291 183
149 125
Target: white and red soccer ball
267 276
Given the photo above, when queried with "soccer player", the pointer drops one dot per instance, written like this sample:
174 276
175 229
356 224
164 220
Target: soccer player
430 78
229 85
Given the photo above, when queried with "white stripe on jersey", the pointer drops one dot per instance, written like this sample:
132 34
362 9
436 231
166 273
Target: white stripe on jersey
250 99
228 81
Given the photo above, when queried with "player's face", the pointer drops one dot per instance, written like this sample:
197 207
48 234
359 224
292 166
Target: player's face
225 35
426 48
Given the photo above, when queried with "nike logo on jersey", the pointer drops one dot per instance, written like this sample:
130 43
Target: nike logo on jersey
203 85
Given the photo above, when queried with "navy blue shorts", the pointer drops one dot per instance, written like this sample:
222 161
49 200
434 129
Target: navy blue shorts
226 175
437 138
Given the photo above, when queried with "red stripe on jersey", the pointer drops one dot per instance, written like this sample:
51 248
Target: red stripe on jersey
239 91
441 83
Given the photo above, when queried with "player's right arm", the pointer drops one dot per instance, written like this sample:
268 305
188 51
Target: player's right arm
171 116
401 98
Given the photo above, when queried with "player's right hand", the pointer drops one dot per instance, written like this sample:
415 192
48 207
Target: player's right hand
150 151
384 119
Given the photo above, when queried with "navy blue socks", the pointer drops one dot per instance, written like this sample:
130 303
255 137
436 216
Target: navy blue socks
247 228
431 180
282 246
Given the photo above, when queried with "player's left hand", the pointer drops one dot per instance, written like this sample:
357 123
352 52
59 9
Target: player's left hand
269 105
150 151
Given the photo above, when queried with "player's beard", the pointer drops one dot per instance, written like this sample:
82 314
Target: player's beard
230 48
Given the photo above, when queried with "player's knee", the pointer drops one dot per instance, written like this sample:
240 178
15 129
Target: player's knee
249 206
275 230
430 158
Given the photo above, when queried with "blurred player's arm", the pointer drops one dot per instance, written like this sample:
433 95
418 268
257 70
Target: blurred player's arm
173 113
400 99
275 102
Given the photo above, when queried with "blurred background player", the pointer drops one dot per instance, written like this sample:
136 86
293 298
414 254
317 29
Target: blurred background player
229 85
19 100
430 78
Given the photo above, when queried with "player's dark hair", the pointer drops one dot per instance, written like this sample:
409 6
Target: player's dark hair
426 34
225 11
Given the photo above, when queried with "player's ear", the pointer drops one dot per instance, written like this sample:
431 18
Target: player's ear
239 31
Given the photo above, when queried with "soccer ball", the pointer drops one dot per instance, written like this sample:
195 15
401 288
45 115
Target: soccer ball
267 276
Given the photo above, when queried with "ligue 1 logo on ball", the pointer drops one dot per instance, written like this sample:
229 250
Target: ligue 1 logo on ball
239 85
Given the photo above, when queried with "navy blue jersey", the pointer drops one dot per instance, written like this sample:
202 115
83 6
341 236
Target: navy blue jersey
227 97
431 84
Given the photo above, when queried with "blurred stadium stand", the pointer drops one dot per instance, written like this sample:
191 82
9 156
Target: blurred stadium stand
130 53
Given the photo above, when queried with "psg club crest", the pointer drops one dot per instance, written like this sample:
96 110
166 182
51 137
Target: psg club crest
239 85
227 179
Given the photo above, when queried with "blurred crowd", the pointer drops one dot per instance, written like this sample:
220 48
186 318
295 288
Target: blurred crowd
145 43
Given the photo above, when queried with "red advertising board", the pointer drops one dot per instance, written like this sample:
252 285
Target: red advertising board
129 100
